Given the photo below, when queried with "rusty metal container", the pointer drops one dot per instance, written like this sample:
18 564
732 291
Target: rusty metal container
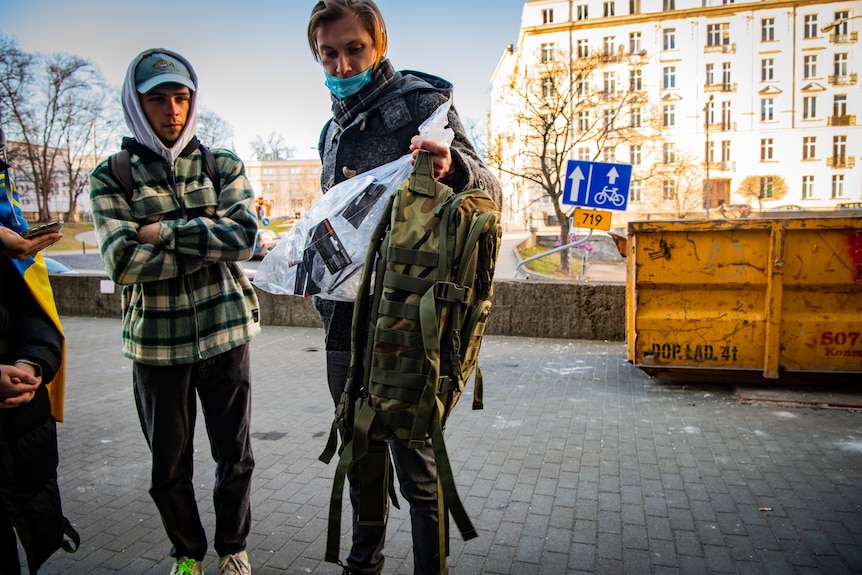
773 298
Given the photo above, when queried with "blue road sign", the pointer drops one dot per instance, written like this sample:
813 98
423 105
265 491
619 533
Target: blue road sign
597 185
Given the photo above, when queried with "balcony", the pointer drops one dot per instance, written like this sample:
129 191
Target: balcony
727 166
843 120
720 49
844 38
841 162
842 79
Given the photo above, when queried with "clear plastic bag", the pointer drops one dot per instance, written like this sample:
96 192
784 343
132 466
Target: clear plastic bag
324 252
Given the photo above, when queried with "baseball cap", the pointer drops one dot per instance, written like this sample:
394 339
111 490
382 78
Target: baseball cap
159 68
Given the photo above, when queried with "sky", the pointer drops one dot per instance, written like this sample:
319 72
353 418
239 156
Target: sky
252 58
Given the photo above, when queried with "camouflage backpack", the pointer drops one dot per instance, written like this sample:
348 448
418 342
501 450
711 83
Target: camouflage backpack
420 314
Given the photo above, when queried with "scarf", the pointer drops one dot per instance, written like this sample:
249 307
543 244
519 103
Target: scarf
347 110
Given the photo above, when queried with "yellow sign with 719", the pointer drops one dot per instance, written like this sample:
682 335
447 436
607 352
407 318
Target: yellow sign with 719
593 219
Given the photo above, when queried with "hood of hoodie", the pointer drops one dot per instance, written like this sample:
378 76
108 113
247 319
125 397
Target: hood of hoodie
137 122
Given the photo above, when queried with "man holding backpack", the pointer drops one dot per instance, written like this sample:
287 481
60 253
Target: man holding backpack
173 236
376 116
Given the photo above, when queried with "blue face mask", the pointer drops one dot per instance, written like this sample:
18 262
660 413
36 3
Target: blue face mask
345 87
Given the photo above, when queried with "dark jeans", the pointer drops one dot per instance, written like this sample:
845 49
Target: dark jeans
165 397
417 477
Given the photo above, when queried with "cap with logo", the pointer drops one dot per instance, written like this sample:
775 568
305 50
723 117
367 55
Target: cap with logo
159 68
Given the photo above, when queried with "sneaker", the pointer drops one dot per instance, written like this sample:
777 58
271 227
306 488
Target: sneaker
234 564
186 566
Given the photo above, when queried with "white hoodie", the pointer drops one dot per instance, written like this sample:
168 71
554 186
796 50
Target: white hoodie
137 121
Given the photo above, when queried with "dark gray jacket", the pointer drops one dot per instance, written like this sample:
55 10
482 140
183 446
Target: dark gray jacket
381 134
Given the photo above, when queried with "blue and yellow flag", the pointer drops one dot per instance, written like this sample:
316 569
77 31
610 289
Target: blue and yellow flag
36 277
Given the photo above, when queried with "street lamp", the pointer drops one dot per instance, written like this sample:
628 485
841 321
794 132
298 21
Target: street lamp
706 112
829 27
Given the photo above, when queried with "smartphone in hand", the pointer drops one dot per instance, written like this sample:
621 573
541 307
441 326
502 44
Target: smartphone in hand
43 229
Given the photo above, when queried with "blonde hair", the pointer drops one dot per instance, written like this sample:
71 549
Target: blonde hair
366 10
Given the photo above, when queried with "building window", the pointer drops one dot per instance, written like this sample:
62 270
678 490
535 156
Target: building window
610 79
841 64
709 152
636 191
809 66
668 153
583 48
709 109
807 187
839 105
608 45
669 77
839 149
725 116
634 42
841 18
584 154
582 12
767 109
725 151
548 49
609 154
765 149
547 87
668 117
583 84
809 147
668 190
725 76
609 9
767 30
636 80
547 15
766 187
710 74
635 154
584 121
669 39
635 117
668 5
718 34
767 69
809 107
810 26
837 186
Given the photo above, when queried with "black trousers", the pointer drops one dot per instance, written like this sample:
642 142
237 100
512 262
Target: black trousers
165 397
29 494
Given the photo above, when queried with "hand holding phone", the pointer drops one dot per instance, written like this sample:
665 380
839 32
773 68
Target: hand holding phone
43 229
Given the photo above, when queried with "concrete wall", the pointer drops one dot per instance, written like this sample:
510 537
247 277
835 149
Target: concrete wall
572 310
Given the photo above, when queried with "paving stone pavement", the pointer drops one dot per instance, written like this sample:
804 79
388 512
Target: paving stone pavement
578 464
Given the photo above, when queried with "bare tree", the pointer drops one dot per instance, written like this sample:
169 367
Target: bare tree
675 183
564 106
273 148
46 101
213 131
761 188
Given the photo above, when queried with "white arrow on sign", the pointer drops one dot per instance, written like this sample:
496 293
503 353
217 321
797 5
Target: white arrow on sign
613 175
577 176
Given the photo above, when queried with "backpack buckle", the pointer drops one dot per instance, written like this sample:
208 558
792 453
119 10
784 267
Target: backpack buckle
450 292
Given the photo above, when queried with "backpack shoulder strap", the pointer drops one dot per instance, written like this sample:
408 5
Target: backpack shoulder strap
120 165
211 167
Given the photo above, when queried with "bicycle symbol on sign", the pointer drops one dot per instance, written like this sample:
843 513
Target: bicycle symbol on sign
611 195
